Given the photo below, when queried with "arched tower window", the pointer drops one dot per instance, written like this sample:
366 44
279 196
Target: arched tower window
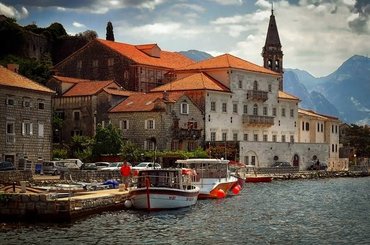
255 85
277 64
269 63
255 110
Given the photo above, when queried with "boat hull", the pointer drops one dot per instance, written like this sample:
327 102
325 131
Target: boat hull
209 188
254 179
163 198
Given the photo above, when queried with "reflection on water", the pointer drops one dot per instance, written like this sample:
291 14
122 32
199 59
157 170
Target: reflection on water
326 211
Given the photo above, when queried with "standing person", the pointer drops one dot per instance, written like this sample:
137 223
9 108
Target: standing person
126 174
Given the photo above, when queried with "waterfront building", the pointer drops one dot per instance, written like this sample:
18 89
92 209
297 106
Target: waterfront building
160 121
83 104
134 67
25 122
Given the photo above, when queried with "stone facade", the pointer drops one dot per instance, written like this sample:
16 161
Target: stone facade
25 126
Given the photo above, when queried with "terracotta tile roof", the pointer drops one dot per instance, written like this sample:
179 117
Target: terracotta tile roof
71 79
227 61
142 102
12 79
197 81
88 88
119 92
285 95
311 113
167 59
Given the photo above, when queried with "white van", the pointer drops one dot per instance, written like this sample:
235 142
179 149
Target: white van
73 163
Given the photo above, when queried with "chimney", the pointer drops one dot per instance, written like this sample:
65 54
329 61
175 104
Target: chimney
13 67
165 95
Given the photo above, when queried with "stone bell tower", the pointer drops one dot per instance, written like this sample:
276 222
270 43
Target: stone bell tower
271 52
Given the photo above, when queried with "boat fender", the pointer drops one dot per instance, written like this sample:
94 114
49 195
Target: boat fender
128 203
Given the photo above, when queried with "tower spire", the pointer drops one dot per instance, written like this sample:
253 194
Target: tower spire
271 52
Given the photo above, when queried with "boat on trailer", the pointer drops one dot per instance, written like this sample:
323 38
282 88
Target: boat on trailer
212 176
158 189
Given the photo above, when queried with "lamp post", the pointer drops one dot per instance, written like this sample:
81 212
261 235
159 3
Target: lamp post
355 159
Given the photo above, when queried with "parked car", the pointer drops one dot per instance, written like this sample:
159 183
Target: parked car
76 162
89 166
318 166
6 166
114 166
101 165
281 165
53 167
146 165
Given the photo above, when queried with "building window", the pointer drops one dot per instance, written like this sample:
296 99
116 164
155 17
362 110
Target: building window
213 106
265 110
124 125
235 108
246 160
307 126
40 130
224 107
41 105
283 112
79 64
318 127
245 137
10 101
175 145
224 136
26 102
150 124
336 148
336 129
292 139
95 63
125 75
76 115
27 128
255 137
332 147
269 87
213 136
76 132
235 137
255 85
274 138
322 127
302 126
184 108
149 145
10 132
332 129
274 112
283 138
253 160
240 84
265 137
255 110
110 61
245 109
291 113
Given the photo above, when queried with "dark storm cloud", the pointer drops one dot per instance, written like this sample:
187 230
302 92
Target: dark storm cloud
360 24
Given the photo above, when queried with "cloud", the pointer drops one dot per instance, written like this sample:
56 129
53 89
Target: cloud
360 24
228 2
78 25
12 12
90 6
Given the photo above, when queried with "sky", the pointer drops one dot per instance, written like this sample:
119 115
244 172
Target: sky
316 35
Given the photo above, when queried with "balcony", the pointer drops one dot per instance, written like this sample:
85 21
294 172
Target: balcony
257 95
258 121
186 134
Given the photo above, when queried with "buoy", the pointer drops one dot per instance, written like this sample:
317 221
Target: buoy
128 204
236 190
221 193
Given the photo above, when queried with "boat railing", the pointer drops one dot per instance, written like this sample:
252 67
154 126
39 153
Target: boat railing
173 181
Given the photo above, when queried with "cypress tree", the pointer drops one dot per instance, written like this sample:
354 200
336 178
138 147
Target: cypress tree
110 35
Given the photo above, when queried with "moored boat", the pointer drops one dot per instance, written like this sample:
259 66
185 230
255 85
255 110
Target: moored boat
256 179
212 176
158 189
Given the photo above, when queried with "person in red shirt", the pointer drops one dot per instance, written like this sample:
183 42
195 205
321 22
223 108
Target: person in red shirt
126 174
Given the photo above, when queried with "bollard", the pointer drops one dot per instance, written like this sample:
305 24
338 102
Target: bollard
14 186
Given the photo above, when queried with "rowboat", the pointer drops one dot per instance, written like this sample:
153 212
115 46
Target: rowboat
212 176
158 189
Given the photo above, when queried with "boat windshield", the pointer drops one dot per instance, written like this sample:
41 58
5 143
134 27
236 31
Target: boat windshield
169 179
207 169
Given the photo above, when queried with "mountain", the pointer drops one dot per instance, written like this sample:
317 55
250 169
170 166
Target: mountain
344 93
196 55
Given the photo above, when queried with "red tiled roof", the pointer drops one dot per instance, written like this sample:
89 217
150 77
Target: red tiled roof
119 92
167 59
144 102
12 79
227 61
87 88
72 79
314 114
197 81
285 95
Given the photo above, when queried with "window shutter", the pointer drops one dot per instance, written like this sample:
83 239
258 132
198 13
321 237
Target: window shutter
146 124
31 128
23 128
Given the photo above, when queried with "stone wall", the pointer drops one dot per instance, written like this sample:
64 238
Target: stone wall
9 177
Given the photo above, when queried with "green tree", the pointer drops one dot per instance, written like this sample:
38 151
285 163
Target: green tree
79 144
110 34
108 140
131 152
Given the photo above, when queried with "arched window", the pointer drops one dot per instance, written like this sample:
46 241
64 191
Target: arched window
255 109
307 126
255 85
269 63
277 64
